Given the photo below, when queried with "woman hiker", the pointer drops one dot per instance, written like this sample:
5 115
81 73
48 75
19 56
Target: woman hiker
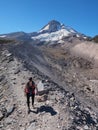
30 92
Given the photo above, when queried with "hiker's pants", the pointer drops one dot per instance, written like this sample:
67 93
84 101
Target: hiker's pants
28 99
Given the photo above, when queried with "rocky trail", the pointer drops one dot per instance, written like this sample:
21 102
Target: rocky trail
60 110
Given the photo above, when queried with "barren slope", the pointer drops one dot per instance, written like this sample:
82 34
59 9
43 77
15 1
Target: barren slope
72 99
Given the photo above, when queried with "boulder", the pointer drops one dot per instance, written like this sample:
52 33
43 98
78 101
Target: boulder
41 88
42 98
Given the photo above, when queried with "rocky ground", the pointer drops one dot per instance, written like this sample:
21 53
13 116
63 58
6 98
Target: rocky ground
70 103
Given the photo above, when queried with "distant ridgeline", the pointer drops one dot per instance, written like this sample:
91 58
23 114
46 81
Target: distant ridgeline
95 39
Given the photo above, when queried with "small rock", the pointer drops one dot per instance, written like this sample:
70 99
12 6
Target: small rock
79 128
9 54
1 126
72 98
9 121
47 102
10 110
32 126
42 98
2 77
22 128
17 71
58 126
20 112
23 116
13 79
20 124
53 97
86 127
4 111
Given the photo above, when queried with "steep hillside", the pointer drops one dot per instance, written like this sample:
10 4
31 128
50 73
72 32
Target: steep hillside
4 41
70 70
71 99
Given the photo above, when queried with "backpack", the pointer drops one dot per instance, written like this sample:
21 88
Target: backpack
31 89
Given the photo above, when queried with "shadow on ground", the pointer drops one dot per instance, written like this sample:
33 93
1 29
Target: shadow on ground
46 109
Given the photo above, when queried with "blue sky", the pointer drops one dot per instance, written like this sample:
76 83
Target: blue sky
32 15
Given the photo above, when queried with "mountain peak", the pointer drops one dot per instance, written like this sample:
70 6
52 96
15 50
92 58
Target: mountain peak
55 31
52 26
54 22
52 31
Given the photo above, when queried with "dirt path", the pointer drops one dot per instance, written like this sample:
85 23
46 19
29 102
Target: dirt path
45 118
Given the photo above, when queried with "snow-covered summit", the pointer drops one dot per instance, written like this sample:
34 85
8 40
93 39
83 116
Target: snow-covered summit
51 32
52 26
55 31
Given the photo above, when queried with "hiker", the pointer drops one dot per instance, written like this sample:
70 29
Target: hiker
30 92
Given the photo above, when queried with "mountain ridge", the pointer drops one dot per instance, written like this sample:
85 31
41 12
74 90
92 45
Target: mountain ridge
53 31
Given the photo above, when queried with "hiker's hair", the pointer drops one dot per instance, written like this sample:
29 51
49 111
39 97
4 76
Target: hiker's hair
30 79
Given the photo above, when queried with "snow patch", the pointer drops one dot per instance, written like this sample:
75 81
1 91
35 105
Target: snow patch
46 28
54 36
71 30
77 35
84 37
60 41
3 36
